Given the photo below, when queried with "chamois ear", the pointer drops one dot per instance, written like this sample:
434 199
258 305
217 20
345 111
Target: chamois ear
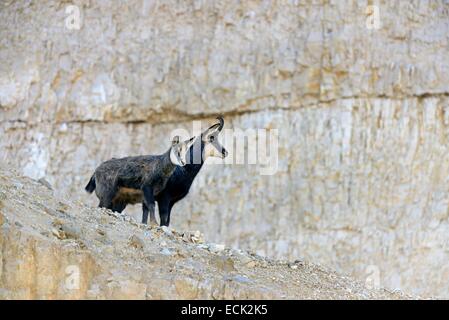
190 142
175 140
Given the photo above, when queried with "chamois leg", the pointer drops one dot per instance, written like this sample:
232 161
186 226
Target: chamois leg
105 194
106 201
164 211
148 201
164 215
118 207
145 214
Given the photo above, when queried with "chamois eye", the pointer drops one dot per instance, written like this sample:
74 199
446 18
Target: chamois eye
212 138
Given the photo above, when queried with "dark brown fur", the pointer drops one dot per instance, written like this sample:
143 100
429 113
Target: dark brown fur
128 195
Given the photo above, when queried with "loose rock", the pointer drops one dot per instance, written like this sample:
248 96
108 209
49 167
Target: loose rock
136 242
216 248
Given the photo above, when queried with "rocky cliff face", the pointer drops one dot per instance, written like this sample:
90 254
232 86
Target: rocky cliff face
361 109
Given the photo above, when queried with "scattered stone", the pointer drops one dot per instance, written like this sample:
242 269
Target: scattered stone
216 248
150 259
104 220
58 233
180 254
81 244
125 217
185 237
193 237
71 231
238 278
45 233
243 258
135 242
251 264
223 263
166 252
263 264
45 183
166 230
57 223
197 237
134 223
109 249
62 207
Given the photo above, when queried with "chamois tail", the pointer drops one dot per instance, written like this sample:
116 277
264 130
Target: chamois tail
91 185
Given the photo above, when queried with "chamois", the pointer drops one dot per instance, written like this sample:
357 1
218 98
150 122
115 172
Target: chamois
130 180
179 183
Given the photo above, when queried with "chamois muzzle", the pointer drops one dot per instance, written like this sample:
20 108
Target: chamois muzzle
213 148
224 152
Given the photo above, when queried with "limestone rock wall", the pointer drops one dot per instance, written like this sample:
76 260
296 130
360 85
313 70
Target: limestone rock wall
362 181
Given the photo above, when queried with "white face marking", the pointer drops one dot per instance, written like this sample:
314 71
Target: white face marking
211 150
178 152
209 133
174 157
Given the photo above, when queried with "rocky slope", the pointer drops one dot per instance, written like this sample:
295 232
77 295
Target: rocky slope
56 249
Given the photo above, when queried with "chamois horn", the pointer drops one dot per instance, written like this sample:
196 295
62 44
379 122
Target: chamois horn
220 118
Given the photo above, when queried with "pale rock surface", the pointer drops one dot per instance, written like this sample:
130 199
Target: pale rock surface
362 182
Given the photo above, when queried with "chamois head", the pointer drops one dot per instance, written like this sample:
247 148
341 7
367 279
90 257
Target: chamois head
212 148
179 150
